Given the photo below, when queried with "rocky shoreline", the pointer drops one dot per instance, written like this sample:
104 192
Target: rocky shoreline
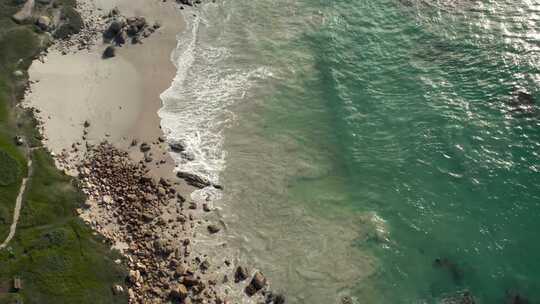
155 225
147 217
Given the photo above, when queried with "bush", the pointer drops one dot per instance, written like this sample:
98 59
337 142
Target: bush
72 23
9 169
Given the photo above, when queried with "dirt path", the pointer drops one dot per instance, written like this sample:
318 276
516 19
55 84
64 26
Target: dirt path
18 204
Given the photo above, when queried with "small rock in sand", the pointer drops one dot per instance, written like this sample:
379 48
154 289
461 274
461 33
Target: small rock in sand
109 52
213 229
240 274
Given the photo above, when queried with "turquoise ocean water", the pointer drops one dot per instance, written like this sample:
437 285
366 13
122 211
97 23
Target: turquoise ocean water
383 150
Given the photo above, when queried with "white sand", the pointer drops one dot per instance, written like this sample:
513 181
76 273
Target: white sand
118 96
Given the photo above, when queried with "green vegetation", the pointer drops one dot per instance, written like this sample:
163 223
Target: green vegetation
55 254
9 169
73 23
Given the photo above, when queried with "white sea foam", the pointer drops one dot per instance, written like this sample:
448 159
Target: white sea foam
196 106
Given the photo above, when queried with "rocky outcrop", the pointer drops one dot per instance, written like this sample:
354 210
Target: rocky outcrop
121 29
193 179
149 216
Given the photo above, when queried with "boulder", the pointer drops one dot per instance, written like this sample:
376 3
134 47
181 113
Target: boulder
279 299
179 292
18 73
145 147
213 229
185 2
193 179
117 289
43 22
109 52
114 29
134 276
19 141
177 146
257 283
240 274
135 25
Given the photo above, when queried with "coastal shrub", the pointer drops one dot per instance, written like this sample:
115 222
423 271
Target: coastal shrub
72 23
9 169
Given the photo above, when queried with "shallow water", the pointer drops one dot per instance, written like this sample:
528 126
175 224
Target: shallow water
359 141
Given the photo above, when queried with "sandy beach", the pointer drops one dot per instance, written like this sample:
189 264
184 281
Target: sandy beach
119 97
82 100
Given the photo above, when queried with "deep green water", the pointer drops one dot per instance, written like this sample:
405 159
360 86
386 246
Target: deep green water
371 137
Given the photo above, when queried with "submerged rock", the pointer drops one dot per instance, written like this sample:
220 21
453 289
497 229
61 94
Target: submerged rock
455 271
177 146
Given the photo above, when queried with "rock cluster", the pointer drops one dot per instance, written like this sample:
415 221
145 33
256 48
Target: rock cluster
121 29
88 27
148 219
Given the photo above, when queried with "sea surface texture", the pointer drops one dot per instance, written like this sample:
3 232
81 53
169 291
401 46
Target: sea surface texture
382 150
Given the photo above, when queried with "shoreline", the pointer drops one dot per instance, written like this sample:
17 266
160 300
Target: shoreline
84 102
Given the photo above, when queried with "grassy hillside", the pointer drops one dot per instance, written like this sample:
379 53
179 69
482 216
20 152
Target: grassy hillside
57 257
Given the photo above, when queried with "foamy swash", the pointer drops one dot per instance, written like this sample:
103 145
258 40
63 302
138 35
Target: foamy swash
195 106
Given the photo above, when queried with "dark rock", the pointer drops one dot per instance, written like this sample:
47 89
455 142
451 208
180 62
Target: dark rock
279 299
213 229
257 283
206 208
455 271
346 300
121 38
145 147
515 298
185 2
109 52
114 29
135 25
114 12
204 265
180 198
188 156
190 280
177 146
193 179
240 274
19 141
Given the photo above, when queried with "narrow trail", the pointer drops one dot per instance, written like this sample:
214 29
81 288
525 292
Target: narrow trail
18 205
